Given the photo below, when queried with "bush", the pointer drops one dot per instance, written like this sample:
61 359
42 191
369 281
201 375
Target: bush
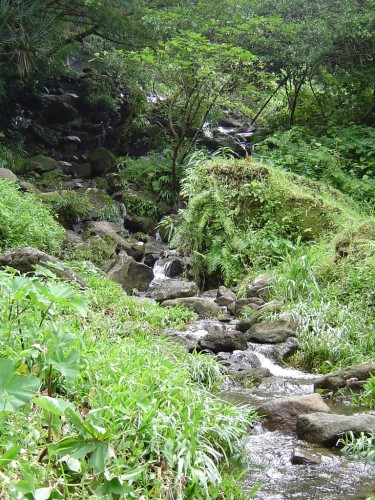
69 207
24 221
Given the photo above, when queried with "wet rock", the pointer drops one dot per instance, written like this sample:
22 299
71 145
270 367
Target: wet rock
228 341
101 160
253 376
283 351
225 296
203 307
174 267
240 361
8 175
282 414
172 289
271 332
25 259
137 223
304 457
130 273
152 252
341 378
189 340
327 429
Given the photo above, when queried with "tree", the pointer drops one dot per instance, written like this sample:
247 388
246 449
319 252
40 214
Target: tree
190 76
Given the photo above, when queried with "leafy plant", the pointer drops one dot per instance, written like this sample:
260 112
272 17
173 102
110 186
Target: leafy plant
69 207
25 221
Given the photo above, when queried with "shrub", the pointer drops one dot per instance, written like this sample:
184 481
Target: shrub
69 207
24 221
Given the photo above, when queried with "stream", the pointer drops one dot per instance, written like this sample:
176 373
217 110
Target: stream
333 476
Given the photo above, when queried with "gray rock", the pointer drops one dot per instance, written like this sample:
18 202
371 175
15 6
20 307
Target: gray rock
203 307
172 289
27 186
25 259
283 351
252 376
240 361
282 413
241 305
59 111
271 332
228 341
341 378
131 274
8 175
327 429
73 239
247 323
225 296
110 230
139 224
304 457
260 287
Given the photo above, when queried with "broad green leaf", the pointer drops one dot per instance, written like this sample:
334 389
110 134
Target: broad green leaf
9 455
97 459
53 405
42 493
113 487
15 390
65 363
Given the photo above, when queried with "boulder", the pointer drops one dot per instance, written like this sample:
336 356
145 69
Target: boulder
305 457
260 287
27 186
282 413
72 239
203 307
240 360
281 352
225 296
172 289
25 259
8 175
326 429
110 230
40 164
253 376
101 160
247 323
58 111
131 274
174 267
239 307
341 378
271 332
140 224
228 341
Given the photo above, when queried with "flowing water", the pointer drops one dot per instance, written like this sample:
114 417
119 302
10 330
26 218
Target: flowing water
334 477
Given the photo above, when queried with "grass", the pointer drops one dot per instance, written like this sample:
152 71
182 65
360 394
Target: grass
122 411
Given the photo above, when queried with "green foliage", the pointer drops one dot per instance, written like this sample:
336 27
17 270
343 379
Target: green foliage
99 93
362 446
69 207
150 173
124 415
345 158
241 214
24 221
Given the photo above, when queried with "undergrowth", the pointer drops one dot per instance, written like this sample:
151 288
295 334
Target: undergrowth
96 402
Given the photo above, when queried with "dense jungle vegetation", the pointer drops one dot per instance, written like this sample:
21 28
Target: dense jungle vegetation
89 405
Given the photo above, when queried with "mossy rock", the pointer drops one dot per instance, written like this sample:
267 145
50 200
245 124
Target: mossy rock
101 160
241 214
39 163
